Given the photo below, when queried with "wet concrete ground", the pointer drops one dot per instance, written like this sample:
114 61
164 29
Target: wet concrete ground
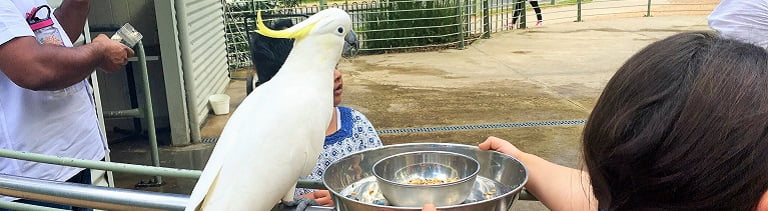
554 72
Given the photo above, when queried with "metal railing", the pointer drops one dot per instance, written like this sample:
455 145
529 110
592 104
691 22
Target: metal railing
82 195
105 197
144 111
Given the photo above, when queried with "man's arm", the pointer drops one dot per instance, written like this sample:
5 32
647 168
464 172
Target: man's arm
48 67
71 15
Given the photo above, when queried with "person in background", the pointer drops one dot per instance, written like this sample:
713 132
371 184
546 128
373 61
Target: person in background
349 130
520 6
46 103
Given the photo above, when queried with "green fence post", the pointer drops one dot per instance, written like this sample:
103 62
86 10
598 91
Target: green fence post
459 20
148 112
522 14
578 10
323 4
648 12
486 20
552 2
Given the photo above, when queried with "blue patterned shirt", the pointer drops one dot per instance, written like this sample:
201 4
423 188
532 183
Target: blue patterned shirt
355 134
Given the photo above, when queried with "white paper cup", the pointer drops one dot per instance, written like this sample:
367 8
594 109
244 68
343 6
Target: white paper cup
219 103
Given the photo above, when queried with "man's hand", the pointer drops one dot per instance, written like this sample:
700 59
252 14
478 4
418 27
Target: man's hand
114 54
322 197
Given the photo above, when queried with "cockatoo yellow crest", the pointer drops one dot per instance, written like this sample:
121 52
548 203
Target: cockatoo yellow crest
296 34
276 134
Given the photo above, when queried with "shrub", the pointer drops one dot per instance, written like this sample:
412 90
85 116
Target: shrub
411 23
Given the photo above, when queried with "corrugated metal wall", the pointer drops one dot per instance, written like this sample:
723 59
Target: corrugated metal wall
207 52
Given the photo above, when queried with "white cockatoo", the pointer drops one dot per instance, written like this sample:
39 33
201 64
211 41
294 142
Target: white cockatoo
276 134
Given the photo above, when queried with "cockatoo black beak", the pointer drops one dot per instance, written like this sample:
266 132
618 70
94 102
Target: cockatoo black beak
351 44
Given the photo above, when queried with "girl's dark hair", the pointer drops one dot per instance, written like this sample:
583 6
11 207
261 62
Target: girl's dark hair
268 54
682 125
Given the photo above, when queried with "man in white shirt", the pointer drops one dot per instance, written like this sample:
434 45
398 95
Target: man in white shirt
46 104
745 20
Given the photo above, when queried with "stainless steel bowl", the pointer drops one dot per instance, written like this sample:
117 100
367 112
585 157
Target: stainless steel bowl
498 184
456 173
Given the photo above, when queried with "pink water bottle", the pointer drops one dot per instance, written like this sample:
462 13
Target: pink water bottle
43 27
48 34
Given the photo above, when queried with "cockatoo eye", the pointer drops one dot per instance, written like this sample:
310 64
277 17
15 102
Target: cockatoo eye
340 30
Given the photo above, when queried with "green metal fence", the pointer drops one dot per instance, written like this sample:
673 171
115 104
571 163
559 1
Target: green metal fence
412 25
381 25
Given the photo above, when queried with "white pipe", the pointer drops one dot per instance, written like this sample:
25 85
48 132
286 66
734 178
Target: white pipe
186 66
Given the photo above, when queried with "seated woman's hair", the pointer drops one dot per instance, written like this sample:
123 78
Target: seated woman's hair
268 54
682 125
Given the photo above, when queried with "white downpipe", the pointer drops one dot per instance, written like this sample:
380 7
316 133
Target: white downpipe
187 70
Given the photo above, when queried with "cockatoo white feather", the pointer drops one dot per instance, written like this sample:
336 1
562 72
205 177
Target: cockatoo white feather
276 134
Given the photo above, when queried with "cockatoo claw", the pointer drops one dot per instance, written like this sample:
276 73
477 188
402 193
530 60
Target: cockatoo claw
300 203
